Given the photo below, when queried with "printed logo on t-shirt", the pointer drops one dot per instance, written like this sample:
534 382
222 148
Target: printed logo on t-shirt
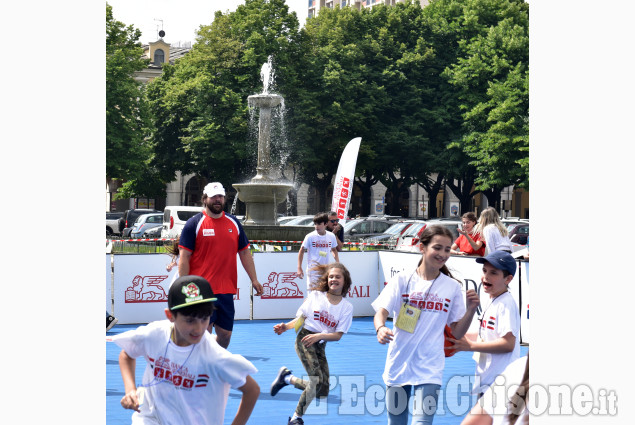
168 371
319 244
326 318
208 232
489 323
432 302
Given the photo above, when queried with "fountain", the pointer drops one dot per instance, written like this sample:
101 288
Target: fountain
265 191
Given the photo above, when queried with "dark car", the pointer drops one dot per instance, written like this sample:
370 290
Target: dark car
357 229
129 217
519 234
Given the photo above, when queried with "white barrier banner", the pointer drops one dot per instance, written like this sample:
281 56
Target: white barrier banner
392 263
242 303
141 287
108 283
284 292
142 283
363 267
524 301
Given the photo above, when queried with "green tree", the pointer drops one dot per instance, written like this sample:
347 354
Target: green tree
126 113
492 75
199 105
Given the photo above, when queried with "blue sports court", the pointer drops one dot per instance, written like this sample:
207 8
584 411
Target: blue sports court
356 363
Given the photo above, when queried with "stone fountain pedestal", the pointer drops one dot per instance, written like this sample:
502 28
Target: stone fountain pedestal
264 192
261 199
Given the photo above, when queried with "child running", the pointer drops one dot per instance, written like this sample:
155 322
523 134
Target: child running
188 375
319 246
326 316
497 344
422 302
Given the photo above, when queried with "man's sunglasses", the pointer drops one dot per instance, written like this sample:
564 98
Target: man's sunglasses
334 221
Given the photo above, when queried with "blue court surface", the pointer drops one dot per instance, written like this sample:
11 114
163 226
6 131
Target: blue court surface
356 363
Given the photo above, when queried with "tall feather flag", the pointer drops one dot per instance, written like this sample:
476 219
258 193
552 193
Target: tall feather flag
343 185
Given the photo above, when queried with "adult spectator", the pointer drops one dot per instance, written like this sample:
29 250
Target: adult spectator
334 226
208 246
469 241
493 231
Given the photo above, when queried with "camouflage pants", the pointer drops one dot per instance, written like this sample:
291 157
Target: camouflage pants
313 359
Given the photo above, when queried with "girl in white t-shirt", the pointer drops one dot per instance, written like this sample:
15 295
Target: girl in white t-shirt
422 302
324 316
493 231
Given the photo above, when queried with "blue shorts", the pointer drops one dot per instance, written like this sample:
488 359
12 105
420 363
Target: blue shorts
223 316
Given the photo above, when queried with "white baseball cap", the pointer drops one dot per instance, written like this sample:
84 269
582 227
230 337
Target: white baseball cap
213 189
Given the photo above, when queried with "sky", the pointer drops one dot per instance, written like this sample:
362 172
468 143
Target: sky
181 18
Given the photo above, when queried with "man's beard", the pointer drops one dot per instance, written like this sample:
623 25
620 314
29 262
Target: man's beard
216 208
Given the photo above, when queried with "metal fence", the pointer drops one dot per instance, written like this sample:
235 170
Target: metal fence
159 246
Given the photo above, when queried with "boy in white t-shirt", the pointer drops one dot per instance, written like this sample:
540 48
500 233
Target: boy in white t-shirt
188 375
497 343
319 245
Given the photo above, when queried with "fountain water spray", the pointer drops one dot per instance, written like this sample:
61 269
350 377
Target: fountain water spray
265 190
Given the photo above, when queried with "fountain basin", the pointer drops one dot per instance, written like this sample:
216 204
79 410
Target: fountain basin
264 100
261 200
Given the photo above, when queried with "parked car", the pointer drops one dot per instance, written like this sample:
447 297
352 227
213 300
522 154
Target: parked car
302 220
145 222
391 234
519 234
112 223
175 217
153 233
282 220
360 228
410 241
129 217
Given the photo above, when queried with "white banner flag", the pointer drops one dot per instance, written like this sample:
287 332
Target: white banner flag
343 185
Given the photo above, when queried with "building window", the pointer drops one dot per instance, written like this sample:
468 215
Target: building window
159 57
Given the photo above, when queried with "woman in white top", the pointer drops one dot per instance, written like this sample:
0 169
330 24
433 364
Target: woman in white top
493 231
422 302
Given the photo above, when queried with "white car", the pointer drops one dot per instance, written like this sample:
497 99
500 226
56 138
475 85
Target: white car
175 217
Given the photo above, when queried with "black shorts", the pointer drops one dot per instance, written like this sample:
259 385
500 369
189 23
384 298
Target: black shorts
223 316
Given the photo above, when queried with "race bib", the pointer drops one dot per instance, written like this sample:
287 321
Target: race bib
407 319
323 253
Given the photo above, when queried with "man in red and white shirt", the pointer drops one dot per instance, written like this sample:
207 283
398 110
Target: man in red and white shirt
208 246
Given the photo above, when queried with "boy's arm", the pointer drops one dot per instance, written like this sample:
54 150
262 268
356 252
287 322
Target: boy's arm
300 257
250 391
504 344
127 365
335 255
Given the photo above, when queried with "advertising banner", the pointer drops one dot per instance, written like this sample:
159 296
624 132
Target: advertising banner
343 184
284 292
142 283
141 287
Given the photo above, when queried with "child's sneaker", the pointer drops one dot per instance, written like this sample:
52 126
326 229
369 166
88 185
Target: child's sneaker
278 383
296 421
110 322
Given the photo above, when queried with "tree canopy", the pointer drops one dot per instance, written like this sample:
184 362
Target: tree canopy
438 95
